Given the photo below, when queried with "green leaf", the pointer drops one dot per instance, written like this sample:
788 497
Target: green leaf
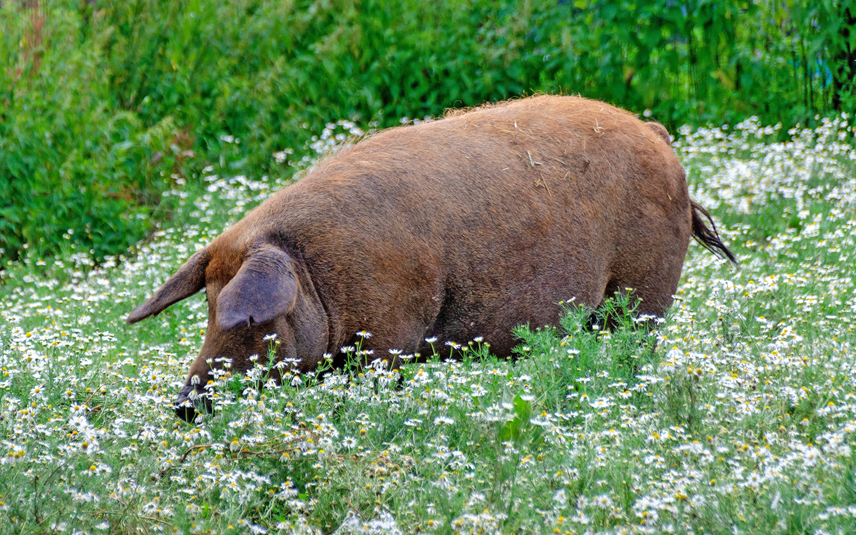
513 429
522 408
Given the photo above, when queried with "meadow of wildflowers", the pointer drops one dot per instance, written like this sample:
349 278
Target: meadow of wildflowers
737 415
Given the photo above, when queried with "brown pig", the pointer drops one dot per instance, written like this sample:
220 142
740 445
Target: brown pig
452 229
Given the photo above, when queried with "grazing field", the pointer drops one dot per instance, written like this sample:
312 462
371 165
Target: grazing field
741 418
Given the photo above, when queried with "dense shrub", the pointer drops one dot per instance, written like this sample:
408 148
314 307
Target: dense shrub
105 103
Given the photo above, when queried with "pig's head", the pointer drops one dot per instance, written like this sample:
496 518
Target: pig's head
250 295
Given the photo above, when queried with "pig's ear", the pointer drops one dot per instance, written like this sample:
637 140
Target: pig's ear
188 280
264 288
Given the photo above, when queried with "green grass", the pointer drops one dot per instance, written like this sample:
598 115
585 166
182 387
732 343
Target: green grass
740 418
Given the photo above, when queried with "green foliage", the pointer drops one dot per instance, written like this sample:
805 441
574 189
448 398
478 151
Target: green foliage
586 337
105 104
68 160
513 429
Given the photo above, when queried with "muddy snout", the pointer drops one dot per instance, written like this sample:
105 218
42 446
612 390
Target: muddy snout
190 400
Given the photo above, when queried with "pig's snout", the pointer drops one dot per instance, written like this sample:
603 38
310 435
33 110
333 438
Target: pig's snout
190 399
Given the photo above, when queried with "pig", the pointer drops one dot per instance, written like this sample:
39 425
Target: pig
453 229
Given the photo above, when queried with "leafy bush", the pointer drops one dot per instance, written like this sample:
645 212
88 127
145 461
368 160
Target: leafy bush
104 103
69 160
